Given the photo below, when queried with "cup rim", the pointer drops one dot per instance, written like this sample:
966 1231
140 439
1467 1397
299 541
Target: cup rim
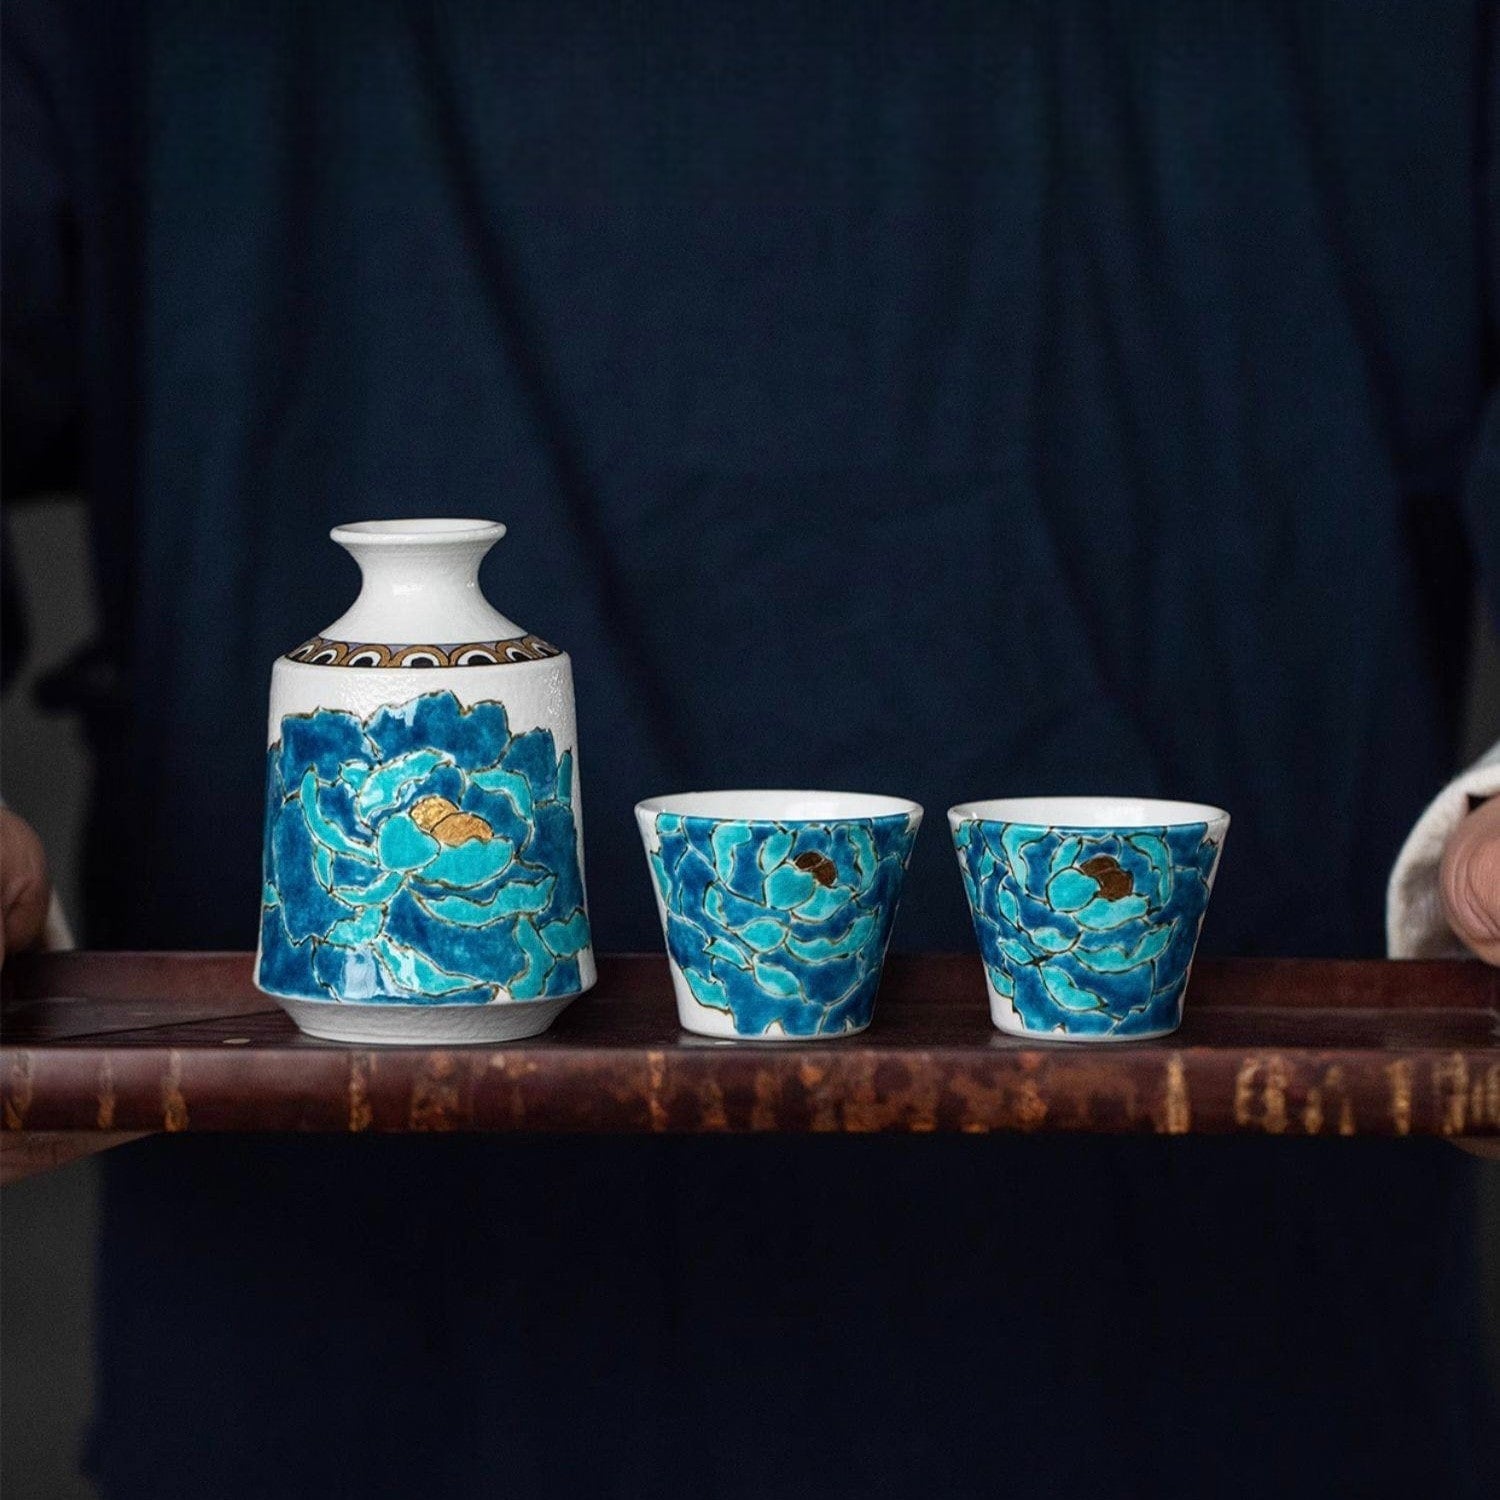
757 805
1080 814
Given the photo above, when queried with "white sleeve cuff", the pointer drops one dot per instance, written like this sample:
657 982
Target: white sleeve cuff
1415 926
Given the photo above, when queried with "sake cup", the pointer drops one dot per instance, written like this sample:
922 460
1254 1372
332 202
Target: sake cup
777 906
1087 909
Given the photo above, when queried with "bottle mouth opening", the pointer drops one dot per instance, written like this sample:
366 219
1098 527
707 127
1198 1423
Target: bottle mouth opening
417 531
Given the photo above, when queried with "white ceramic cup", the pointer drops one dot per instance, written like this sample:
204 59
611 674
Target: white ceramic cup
1087 909
777 906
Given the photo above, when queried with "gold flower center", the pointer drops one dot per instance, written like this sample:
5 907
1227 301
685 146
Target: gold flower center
443 820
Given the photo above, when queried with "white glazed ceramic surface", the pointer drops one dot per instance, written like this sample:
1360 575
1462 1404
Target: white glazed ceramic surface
419 581
1088 812
777 906
1087 909
456 779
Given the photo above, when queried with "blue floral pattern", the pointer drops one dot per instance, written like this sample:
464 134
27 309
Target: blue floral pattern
1088 932
426 855
781 923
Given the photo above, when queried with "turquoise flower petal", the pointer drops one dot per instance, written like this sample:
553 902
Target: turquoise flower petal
763 935
354 931
383 788
776 981
1063 989
1105 916
538 962
563 939
1118 960
1064 855
729 951
774 850
725 841
377 893
510 784
528 896
788 887
1071 890
322 828
825 903
403 846
471 864
414 972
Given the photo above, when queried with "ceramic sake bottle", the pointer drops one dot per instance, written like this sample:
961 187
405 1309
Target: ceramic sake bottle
423 877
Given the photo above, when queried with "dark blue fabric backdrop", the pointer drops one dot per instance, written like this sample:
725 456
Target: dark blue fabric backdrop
938 400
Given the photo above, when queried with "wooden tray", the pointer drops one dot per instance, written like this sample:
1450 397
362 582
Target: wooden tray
133 1042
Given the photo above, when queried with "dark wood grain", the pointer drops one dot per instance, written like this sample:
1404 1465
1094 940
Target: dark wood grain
134 1042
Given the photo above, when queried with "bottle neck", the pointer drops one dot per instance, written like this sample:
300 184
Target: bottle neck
420 585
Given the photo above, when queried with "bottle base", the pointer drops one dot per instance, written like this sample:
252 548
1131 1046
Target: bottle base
423 1025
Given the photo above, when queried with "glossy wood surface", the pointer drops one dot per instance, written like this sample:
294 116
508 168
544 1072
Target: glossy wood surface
115 1042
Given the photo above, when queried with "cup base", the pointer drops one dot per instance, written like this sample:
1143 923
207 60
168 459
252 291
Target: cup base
1020 1033
423 1025
774 1038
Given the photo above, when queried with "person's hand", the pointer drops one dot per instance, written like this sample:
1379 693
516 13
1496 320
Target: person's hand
25 889
1470 881
1470 886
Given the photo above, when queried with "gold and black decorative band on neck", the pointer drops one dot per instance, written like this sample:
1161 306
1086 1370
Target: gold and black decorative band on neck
319 652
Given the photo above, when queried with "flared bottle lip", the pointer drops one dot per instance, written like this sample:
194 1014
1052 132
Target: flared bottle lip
419 587
419 531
